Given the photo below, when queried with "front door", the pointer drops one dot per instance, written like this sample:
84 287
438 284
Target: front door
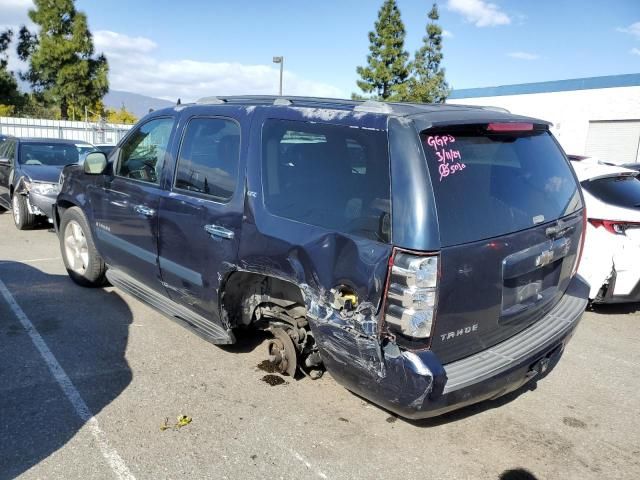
200 219
125 208
7 161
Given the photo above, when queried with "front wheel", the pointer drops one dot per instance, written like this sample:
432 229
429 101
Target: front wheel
22 217
81 259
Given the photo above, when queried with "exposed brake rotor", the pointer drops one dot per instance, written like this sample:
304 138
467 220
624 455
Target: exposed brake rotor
282 352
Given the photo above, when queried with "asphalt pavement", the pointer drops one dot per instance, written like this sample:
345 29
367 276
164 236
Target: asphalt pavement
89 376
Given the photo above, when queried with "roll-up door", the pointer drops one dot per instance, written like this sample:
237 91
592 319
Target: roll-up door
614 141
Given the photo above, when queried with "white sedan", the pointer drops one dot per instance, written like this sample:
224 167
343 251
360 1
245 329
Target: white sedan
611 256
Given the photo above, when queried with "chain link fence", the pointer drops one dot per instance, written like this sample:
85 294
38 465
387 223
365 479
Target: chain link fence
92 132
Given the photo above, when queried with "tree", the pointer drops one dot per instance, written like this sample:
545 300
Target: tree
63 69
10 96
428 84
388 64
121 116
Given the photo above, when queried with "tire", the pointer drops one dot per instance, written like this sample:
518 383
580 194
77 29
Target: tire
84 264
22 218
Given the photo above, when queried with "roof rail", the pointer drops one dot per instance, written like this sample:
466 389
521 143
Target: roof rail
373 106
211 100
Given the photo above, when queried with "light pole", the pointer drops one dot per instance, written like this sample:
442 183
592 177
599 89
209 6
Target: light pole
280 60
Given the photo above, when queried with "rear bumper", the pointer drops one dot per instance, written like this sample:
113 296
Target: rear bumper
416 385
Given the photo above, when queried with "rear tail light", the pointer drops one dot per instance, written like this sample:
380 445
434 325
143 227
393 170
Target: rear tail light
614 226
411 294
583 235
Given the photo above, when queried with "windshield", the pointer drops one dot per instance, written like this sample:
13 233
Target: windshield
56 154
490 184
621 191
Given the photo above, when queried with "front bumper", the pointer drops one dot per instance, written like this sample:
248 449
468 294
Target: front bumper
416 385
41 204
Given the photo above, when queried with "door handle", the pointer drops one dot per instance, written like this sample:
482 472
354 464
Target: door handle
144 210
218 231
116 203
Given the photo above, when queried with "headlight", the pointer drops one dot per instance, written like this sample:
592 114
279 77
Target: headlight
45 188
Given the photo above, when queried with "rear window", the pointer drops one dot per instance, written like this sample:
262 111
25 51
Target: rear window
491 184
621 191
331 176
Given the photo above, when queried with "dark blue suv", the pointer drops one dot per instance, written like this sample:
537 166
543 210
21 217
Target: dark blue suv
425 255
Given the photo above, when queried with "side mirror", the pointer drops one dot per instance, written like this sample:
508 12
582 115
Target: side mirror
95 163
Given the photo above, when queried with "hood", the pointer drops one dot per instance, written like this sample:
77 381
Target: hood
42 173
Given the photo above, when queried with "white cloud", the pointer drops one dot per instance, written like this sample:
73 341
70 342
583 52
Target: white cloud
633 29
524 55
14 13
447 34
635 51
112 41
479 12
133 67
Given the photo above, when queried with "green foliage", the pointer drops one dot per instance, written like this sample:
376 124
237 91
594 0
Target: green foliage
7 110
63 69
10 96
121 116
388 64
428 84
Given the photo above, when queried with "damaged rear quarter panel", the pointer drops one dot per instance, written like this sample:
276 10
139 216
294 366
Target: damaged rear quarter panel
318 260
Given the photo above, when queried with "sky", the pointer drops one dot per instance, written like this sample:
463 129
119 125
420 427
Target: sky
195 48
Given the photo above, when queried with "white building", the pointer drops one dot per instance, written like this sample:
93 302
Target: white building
597 116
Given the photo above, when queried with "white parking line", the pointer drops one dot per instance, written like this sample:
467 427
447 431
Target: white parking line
32 260
111 456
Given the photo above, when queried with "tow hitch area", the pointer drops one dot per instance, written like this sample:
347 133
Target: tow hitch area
542 366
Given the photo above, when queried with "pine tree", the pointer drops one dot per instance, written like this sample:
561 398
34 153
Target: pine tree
10 96
428 84
63 69
388 65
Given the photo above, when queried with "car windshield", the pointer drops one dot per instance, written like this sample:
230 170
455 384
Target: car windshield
488 184
621 191
55 154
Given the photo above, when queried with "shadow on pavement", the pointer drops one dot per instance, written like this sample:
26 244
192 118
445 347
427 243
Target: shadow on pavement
614 308
517 474
87 331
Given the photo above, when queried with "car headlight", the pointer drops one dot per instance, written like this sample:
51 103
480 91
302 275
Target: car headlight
45 188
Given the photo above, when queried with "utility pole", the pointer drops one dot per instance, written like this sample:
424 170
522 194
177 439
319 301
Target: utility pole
280 60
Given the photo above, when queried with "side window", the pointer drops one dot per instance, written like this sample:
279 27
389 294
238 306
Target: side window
8 150
331 176
209 157
142 155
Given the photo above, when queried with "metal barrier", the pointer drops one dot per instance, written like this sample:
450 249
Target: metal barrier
92 132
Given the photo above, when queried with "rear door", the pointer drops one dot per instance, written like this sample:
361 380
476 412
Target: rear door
509 214
125 207
200 220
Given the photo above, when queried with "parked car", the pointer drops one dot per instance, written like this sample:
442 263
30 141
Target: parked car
612 248
29 173
425 255
632 166
105 148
